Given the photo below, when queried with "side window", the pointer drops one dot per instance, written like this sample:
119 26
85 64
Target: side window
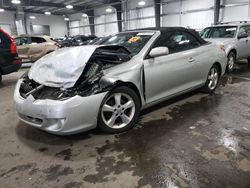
37 40
22 41
245 29
177 41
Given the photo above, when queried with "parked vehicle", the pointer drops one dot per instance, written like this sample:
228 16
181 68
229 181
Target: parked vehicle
9 61
77 40
235 36
78 89
31 48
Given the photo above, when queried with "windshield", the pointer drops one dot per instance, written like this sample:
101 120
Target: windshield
219 32
133 41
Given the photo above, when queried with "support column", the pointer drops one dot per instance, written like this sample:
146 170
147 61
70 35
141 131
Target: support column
216 11
118 8
157 5
91 17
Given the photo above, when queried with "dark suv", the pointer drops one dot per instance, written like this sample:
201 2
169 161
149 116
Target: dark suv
9 61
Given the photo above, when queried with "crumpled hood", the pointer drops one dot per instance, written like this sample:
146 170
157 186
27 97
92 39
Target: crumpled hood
61 68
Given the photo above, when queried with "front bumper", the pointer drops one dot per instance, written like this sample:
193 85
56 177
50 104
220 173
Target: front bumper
70 116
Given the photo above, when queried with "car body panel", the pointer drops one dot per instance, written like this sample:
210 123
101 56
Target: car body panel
59 117
155 79
31 52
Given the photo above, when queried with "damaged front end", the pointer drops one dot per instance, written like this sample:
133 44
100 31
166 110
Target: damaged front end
90 79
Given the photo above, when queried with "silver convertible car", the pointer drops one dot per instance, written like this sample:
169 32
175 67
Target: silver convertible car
80 88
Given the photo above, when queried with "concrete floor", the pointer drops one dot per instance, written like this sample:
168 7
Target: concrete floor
195 140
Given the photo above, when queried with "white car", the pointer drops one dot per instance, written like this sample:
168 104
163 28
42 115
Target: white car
79 88
235 36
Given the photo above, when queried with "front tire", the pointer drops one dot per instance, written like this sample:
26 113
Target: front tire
231 59
119 110
212 80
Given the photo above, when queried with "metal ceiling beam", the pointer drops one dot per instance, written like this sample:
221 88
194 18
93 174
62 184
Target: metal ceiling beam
77 8
157 5
216 11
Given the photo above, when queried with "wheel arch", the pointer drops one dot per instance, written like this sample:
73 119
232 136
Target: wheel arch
131 86
219 66
234 51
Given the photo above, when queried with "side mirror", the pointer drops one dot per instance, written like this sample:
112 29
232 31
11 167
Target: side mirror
159 51
242 35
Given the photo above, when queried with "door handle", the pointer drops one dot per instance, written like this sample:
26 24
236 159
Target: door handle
190 60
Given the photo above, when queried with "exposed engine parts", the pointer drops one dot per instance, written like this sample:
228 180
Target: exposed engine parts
89 81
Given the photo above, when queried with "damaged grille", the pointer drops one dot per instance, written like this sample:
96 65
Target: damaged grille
30 87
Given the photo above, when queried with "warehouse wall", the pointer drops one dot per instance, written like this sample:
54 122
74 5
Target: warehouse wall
105 23
235 10
188 13
7 22
139 17
79 25
58 27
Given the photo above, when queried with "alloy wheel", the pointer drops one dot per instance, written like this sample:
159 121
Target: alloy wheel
230 62
213 78
118 110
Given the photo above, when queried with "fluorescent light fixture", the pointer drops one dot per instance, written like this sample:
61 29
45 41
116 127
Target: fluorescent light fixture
16 2
141 3
1 10
69 6
47 13
32 17
66 19
109 10
84 15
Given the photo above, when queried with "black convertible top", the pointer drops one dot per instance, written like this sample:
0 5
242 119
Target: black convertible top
167 29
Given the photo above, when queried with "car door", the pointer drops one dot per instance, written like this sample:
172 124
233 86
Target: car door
244 43
38 49
23 46
173 73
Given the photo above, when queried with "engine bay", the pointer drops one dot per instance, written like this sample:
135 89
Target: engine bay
87 84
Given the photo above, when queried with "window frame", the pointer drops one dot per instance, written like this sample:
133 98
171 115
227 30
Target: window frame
177 30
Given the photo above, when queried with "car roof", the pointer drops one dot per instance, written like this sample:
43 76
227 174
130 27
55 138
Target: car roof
160 29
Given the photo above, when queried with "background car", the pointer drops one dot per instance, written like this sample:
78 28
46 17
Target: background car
235 36
77 40
9 61
108 85
31 48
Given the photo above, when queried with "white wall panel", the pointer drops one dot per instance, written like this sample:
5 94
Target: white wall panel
191 13
7 20
170 20
198 20
57 24
106 23
83 29
194 4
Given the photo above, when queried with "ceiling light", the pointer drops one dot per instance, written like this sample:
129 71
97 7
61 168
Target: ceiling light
84 15
109 10
16 2
66 19
69 6
32 17
1 10
47 13
141 3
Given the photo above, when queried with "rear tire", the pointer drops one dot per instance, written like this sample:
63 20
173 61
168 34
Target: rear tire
119 110
212 80
231 59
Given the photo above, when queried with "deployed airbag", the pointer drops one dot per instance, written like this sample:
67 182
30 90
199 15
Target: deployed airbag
61 68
